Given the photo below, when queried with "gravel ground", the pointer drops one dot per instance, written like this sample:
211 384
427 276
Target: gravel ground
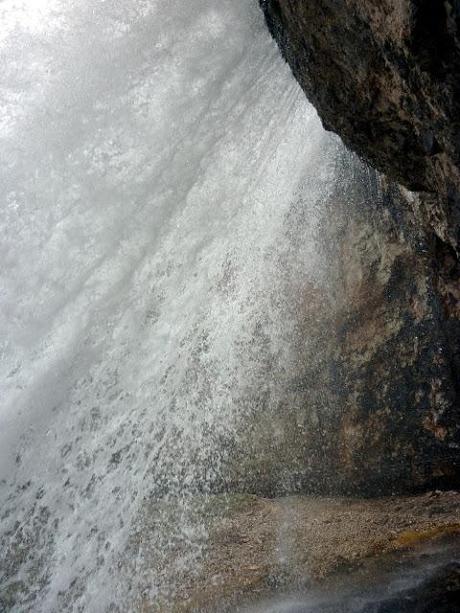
258 546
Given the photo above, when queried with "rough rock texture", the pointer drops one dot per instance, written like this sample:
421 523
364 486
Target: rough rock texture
385 75
397 384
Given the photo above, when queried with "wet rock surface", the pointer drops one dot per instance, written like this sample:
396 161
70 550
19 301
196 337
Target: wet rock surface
438 591
438 594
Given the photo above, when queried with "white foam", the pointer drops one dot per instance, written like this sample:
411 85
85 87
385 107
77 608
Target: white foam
156 160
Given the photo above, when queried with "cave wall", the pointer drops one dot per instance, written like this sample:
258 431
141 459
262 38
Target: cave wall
385 76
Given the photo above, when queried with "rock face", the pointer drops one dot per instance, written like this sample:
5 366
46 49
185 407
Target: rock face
385 75
396 426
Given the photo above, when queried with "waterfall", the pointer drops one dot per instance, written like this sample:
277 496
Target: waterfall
161 182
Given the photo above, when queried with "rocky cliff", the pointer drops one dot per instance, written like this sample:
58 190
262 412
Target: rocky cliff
385 75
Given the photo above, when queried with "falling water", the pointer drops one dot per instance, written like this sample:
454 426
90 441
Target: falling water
161 186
